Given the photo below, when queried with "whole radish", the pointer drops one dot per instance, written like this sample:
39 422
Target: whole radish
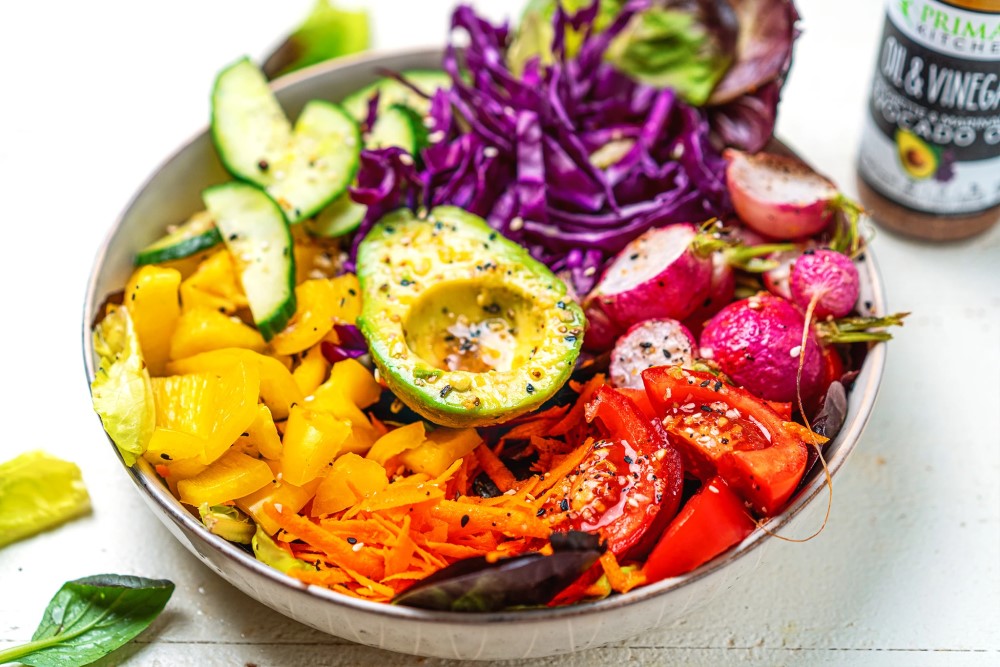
779 196
651 343
758 343
828 277
777 280
657 275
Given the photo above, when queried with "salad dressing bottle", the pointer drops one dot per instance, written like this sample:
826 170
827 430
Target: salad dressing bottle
929 163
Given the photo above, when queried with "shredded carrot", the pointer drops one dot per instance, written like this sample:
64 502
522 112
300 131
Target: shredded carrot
621 580
368 583
576 417
452 550
396 495
339 551
322 577
495 468
477 518
567 465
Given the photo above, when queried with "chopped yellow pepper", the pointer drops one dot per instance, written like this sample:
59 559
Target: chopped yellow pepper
291 498
312 370
151 297
442 447
396 442
233 475
202 330
216 407
312 440
315 307
350 379
278 389
214 285
262 435
350 479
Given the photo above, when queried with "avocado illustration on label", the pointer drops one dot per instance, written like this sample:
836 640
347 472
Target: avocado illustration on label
919 159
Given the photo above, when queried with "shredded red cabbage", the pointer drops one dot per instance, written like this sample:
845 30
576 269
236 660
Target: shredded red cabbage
520 151
352 344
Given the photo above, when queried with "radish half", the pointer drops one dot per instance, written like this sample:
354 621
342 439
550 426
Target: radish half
657 275
778 196
651 343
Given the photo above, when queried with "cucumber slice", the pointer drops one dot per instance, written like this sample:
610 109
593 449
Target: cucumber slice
197 233
341 217
401 126
393 92
303 169
398 125
257 234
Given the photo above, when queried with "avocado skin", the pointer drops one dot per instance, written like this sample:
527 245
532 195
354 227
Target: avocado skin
411 268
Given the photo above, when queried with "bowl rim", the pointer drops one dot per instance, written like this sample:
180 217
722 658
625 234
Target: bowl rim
147 481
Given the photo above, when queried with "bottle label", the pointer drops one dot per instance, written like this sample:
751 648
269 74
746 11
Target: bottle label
931 141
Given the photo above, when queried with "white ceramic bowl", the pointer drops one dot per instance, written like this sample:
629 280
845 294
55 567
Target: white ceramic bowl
171 194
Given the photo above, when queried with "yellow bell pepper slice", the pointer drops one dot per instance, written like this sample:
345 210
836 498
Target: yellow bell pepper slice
350 379
203 330
262 436
232 476
396 442
121 390
312 370
291 498
168 445
350 479
442 447
313 318
312 440
214 285
347 298
151 297
278 389
216 407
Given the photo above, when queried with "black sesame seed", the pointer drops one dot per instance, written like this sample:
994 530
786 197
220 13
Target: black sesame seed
705 408
233 236
165 456
405 282
465 520
564 505
530 388
628 459
540 512
445 391
718 385
352 540
561 305
263 165
725 441
570 339
666 353
705 383
645 345
634 256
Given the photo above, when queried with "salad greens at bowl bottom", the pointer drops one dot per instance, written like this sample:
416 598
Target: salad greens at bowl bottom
477 340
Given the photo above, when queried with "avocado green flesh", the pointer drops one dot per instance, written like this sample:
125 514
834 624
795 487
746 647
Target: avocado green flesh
465 327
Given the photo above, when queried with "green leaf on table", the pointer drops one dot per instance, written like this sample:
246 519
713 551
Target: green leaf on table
328 32
37 492
91 617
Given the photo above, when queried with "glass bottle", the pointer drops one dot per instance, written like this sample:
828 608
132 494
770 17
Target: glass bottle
929 163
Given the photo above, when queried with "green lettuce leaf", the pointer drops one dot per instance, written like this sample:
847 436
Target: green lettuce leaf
37 492
121 390
328 32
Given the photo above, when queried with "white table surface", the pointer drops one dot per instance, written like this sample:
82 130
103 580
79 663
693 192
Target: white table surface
96 94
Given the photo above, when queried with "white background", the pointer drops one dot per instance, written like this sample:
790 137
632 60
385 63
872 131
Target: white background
95 94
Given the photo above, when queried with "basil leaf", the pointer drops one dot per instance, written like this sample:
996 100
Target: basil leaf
91 617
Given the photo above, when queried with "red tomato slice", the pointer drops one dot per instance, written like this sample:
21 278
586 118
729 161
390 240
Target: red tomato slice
713 520
728 431
629 485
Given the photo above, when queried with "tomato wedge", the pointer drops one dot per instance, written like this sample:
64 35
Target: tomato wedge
629 485
727 431
713 520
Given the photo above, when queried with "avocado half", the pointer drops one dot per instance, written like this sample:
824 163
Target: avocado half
464 326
